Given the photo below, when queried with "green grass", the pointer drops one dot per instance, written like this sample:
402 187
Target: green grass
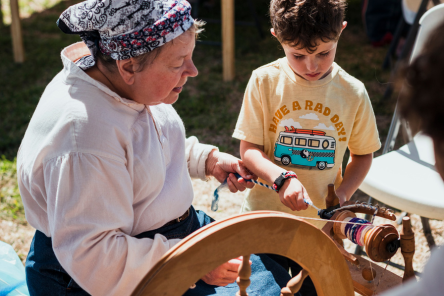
11 206
208 106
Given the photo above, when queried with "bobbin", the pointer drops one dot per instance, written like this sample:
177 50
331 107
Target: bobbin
381 242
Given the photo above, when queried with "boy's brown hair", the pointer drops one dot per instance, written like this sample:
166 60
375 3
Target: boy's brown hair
301 23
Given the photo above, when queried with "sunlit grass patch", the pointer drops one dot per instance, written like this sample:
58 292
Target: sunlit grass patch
11 206
26 7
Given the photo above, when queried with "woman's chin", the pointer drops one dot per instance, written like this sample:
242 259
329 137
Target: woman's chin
171 99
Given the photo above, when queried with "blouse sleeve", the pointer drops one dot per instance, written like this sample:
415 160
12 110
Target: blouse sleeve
90 215
196 155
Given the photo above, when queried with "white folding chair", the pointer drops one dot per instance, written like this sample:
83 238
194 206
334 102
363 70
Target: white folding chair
406 179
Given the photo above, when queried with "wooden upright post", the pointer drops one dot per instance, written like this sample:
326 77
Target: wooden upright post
16 33
243 281
228 39
407 248
1 15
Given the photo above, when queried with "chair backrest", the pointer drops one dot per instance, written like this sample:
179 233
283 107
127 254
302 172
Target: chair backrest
429 21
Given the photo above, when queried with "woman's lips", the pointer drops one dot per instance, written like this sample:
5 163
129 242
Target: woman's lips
178 89
313 75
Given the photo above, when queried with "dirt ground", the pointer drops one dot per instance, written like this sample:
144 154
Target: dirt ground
20 236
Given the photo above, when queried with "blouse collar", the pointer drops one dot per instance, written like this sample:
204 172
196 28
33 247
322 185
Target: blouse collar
73 53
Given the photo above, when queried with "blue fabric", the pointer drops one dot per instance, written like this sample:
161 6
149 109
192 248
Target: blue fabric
45 275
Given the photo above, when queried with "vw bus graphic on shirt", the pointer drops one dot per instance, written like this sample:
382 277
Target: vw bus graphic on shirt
307 148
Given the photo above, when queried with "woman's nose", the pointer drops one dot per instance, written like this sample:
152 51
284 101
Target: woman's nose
191 69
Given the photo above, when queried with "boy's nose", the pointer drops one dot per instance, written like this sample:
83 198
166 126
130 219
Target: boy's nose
311 65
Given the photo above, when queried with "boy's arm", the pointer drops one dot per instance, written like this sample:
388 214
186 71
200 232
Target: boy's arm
354 175
292 192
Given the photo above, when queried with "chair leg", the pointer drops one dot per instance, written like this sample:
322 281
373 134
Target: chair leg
394 43
408 46
428 232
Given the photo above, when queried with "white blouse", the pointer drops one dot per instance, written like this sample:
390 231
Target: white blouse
94 171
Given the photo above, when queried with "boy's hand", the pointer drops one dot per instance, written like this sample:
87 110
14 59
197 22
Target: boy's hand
292 195
225 274
342 196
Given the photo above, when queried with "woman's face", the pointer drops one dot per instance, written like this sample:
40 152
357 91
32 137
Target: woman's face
162 80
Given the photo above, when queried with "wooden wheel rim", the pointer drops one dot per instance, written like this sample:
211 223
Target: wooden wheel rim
255 232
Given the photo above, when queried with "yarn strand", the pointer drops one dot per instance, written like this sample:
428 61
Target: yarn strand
215 201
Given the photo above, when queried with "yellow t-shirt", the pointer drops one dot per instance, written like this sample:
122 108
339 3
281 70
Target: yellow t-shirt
305 127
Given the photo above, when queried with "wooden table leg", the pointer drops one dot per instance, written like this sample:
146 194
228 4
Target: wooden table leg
228 39
16 33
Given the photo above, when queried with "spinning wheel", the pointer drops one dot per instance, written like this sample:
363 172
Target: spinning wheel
256 232
320 253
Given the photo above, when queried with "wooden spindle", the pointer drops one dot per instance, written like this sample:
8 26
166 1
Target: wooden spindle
332 199
243 281
407 248
295 284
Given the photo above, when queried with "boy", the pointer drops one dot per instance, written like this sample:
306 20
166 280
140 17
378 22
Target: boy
301 112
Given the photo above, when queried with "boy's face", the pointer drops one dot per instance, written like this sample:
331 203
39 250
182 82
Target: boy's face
311 66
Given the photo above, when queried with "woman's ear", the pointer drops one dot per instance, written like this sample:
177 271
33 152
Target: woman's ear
344 24
126 70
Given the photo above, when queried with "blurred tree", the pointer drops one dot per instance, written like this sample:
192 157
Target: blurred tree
1 15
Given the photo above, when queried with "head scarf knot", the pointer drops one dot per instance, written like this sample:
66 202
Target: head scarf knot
125 28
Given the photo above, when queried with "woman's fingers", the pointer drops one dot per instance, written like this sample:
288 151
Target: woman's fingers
223 275
234 185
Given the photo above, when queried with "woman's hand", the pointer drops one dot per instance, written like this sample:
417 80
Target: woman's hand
225 274
292 195
220 165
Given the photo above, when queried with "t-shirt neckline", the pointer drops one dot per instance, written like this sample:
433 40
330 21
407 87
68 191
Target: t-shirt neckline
299 80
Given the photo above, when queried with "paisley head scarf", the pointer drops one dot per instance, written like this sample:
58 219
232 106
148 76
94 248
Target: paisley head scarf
123 29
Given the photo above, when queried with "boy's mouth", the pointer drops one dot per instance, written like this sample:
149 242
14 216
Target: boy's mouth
313 74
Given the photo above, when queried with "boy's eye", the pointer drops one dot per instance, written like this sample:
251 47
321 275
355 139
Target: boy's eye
325 54
298 57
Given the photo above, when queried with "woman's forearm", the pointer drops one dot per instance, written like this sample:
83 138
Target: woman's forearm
354 175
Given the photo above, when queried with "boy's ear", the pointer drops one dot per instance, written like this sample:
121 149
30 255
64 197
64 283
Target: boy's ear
344 25
272 32
126 70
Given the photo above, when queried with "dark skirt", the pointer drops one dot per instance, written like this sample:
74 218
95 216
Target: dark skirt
45 275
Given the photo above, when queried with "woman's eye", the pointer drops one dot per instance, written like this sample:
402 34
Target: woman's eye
325 54
298 57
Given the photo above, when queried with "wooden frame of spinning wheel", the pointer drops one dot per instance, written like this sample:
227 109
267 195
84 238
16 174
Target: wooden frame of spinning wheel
320 253
241 235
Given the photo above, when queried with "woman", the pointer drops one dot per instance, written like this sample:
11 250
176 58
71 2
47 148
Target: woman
104 168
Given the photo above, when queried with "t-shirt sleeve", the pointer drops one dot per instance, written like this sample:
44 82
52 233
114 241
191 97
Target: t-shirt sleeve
196 155
364 137
250 124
